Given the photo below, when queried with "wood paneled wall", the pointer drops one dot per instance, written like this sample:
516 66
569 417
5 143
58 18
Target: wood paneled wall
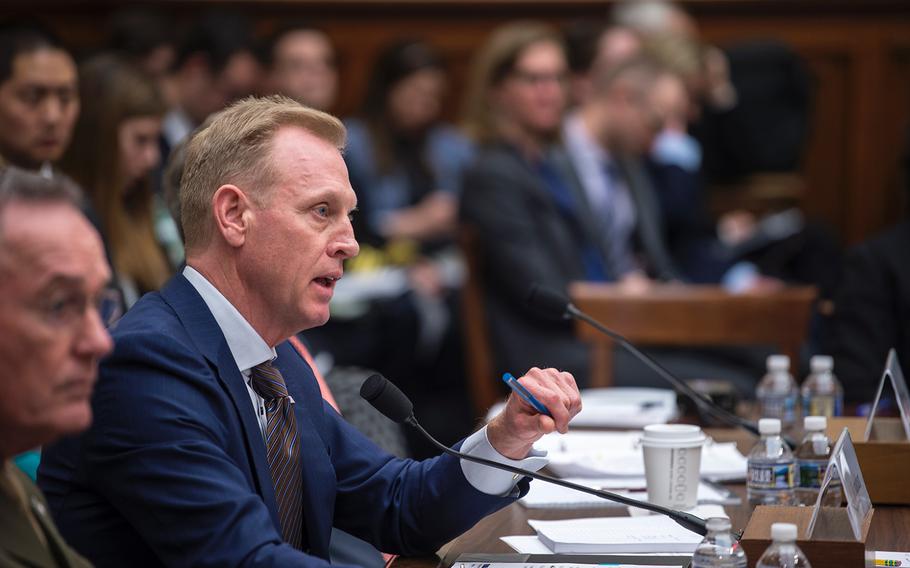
857 50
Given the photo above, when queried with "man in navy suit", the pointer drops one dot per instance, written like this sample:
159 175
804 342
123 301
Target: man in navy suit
211 445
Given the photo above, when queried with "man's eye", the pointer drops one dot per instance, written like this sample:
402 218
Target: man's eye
322 211
31 96
64 307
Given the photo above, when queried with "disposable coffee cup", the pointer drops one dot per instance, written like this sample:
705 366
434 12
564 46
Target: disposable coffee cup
672 454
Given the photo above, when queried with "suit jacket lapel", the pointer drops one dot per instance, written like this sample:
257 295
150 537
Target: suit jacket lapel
584 212
649 221
209 340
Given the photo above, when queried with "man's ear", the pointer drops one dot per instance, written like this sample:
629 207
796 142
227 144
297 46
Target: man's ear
233 212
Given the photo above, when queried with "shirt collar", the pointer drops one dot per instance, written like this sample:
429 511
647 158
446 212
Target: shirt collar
579 138
247 346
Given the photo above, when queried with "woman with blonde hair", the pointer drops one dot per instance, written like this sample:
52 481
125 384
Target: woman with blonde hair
112 155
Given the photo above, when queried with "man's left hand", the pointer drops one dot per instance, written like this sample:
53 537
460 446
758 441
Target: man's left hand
514 430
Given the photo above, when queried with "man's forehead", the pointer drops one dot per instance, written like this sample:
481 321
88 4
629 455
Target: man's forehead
44 237
45 65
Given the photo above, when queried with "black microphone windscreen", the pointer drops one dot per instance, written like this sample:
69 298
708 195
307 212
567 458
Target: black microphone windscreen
386 398
547 301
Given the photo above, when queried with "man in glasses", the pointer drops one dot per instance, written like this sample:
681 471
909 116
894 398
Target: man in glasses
53 277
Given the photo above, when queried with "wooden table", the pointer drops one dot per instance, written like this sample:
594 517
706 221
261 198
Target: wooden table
890 528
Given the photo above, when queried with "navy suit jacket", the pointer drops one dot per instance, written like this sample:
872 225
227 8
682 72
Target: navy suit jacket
173 470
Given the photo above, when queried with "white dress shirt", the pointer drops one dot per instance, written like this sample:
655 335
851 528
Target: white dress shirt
590 160
249 350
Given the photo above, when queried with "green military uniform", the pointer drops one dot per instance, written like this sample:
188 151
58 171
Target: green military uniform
28 537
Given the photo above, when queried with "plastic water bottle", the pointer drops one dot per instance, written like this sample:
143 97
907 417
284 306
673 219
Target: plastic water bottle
778 393
783 552
822 393
771 474
719 549
812 462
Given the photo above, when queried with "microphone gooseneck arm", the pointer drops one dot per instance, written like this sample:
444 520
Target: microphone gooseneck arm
700 400
685 520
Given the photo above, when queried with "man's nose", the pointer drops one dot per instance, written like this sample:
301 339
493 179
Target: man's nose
346 246
52 110
95 341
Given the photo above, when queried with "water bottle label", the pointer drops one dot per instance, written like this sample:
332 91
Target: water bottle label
771 476
811 474
780 407
823 405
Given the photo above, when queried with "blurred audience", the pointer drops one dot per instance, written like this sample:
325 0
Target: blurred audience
146 39
215 65
39 97
523 199
302 64
871 311
52 278
872 305
405 166
593 47
114 150
607 139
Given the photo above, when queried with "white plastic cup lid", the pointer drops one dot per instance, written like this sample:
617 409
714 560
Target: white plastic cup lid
718 524
783 532
821 363
769 426
778 363
815 423
673 435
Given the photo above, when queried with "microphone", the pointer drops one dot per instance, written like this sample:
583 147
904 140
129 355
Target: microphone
395 405
555 304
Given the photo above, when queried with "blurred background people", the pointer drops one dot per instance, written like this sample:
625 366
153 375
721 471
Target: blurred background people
39 97
405 165
302 64
115 149
52 276
594 47
606 139
146 39
871 308
522 198
215 66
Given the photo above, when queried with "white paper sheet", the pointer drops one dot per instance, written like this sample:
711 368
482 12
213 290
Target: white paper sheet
549 496
616 535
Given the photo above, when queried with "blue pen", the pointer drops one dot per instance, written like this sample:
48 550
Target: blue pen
518 389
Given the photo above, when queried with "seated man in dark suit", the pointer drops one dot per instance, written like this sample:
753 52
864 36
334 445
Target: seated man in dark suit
871 313
52 274
212 445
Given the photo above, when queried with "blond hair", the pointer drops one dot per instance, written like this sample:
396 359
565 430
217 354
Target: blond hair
496 60
234 148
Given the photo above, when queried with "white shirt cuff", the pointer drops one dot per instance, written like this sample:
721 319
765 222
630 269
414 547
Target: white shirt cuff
495 481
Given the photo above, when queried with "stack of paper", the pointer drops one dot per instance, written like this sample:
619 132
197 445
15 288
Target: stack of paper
629 535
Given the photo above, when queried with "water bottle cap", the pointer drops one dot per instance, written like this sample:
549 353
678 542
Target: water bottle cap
815 423
783 532
769 426
718 524
821 363
778 363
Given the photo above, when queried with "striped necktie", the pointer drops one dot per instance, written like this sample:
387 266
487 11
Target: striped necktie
283 447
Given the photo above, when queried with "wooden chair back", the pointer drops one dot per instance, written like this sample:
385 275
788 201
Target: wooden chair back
478 351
